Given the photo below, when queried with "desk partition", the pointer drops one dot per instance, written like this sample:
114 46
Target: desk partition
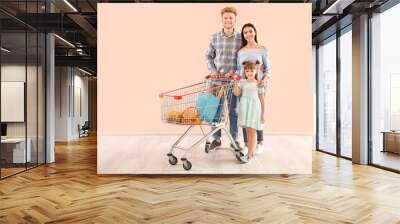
22 116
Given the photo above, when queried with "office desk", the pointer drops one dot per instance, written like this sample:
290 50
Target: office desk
391 141
15 148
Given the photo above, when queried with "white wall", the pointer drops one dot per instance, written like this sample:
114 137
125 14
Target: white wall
80 103
70 83
80 118
10 73
62 81
16 72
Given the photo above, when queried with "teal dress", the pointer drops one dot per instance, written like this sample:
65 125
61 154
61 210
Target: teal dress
249 115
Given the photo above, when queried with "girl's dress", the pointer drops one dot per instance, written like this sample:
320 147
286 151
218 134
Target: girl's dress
249 115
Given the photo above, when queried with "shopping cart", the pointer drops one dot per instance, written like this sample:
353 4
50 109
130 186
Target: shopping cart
202 104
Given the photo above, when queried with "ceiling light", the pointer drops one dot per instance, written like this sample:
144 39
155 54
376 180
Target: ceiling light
70 5
5 49
84 71
338 6
64 40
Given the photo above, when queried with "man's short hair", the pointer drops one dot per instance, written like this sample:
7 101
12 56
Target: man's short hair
229 9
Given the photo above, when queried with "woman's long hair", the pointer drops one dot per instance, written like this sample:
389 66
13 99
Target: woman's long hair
244 41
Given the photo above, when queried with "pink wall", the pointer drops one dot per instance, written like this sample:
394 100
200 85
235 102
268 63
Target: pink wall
144 49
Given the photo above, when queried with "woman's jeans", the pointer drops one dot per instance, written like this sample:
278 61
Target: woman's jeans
260 135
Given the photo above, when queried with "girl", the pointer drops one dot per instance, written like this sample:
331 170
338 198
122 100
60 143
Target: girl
251 113
252 51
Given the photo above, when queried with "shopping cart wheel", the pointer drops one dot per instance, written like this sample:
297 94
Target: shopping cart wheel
172 160
238 155
214 144
207 147
187 165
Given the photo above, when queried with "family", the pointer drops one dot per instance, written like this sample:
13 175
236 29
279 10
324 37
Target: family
232 53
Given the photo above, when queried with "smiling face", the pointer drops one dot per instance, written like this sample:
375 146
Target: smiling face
228 20
250 73
249 34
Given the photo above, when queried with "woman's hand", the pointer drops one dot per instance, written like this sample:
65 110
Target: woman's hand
262 83
262 119
263 68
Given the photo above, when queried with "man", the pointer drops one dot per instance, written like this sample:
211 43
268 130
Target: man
221 59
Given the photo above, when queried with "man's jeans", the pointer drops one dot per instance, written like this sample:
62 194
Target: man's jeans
233 116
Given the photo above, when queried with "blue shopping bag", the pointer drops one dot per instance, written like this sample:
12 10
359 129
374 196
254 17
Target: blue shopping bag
207 106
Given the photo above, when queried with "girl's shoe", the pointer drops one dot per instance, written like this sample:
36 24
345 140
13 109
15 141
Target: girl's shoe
245 151
245 159
259 149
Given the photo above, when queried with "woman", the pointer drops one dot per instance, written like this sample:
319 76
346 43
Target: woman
254 52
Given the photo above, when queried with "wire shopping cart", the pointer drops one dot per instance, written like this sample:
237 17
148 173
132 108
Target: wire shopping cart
202 104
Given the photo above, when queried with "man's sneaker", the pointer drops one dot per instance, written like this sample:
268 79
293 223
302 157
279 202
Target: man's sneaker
259 149
237 143
215 143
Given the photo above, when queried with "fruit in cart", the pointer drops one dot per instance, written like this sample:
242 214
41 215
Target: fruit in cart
190 116
174 116
197 120
179 118
193 121
171 116
190 113
185 121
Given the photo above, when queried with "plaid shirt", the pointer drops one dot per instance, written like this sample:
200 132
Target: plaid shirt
222 52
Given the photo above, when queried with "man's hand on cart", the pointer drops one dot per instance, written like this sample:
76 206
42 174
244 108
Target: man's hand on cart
229 74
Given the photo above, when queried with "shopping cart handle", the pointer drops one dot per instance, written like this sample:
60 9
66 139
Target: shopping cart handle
215 77
234 77
176 97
